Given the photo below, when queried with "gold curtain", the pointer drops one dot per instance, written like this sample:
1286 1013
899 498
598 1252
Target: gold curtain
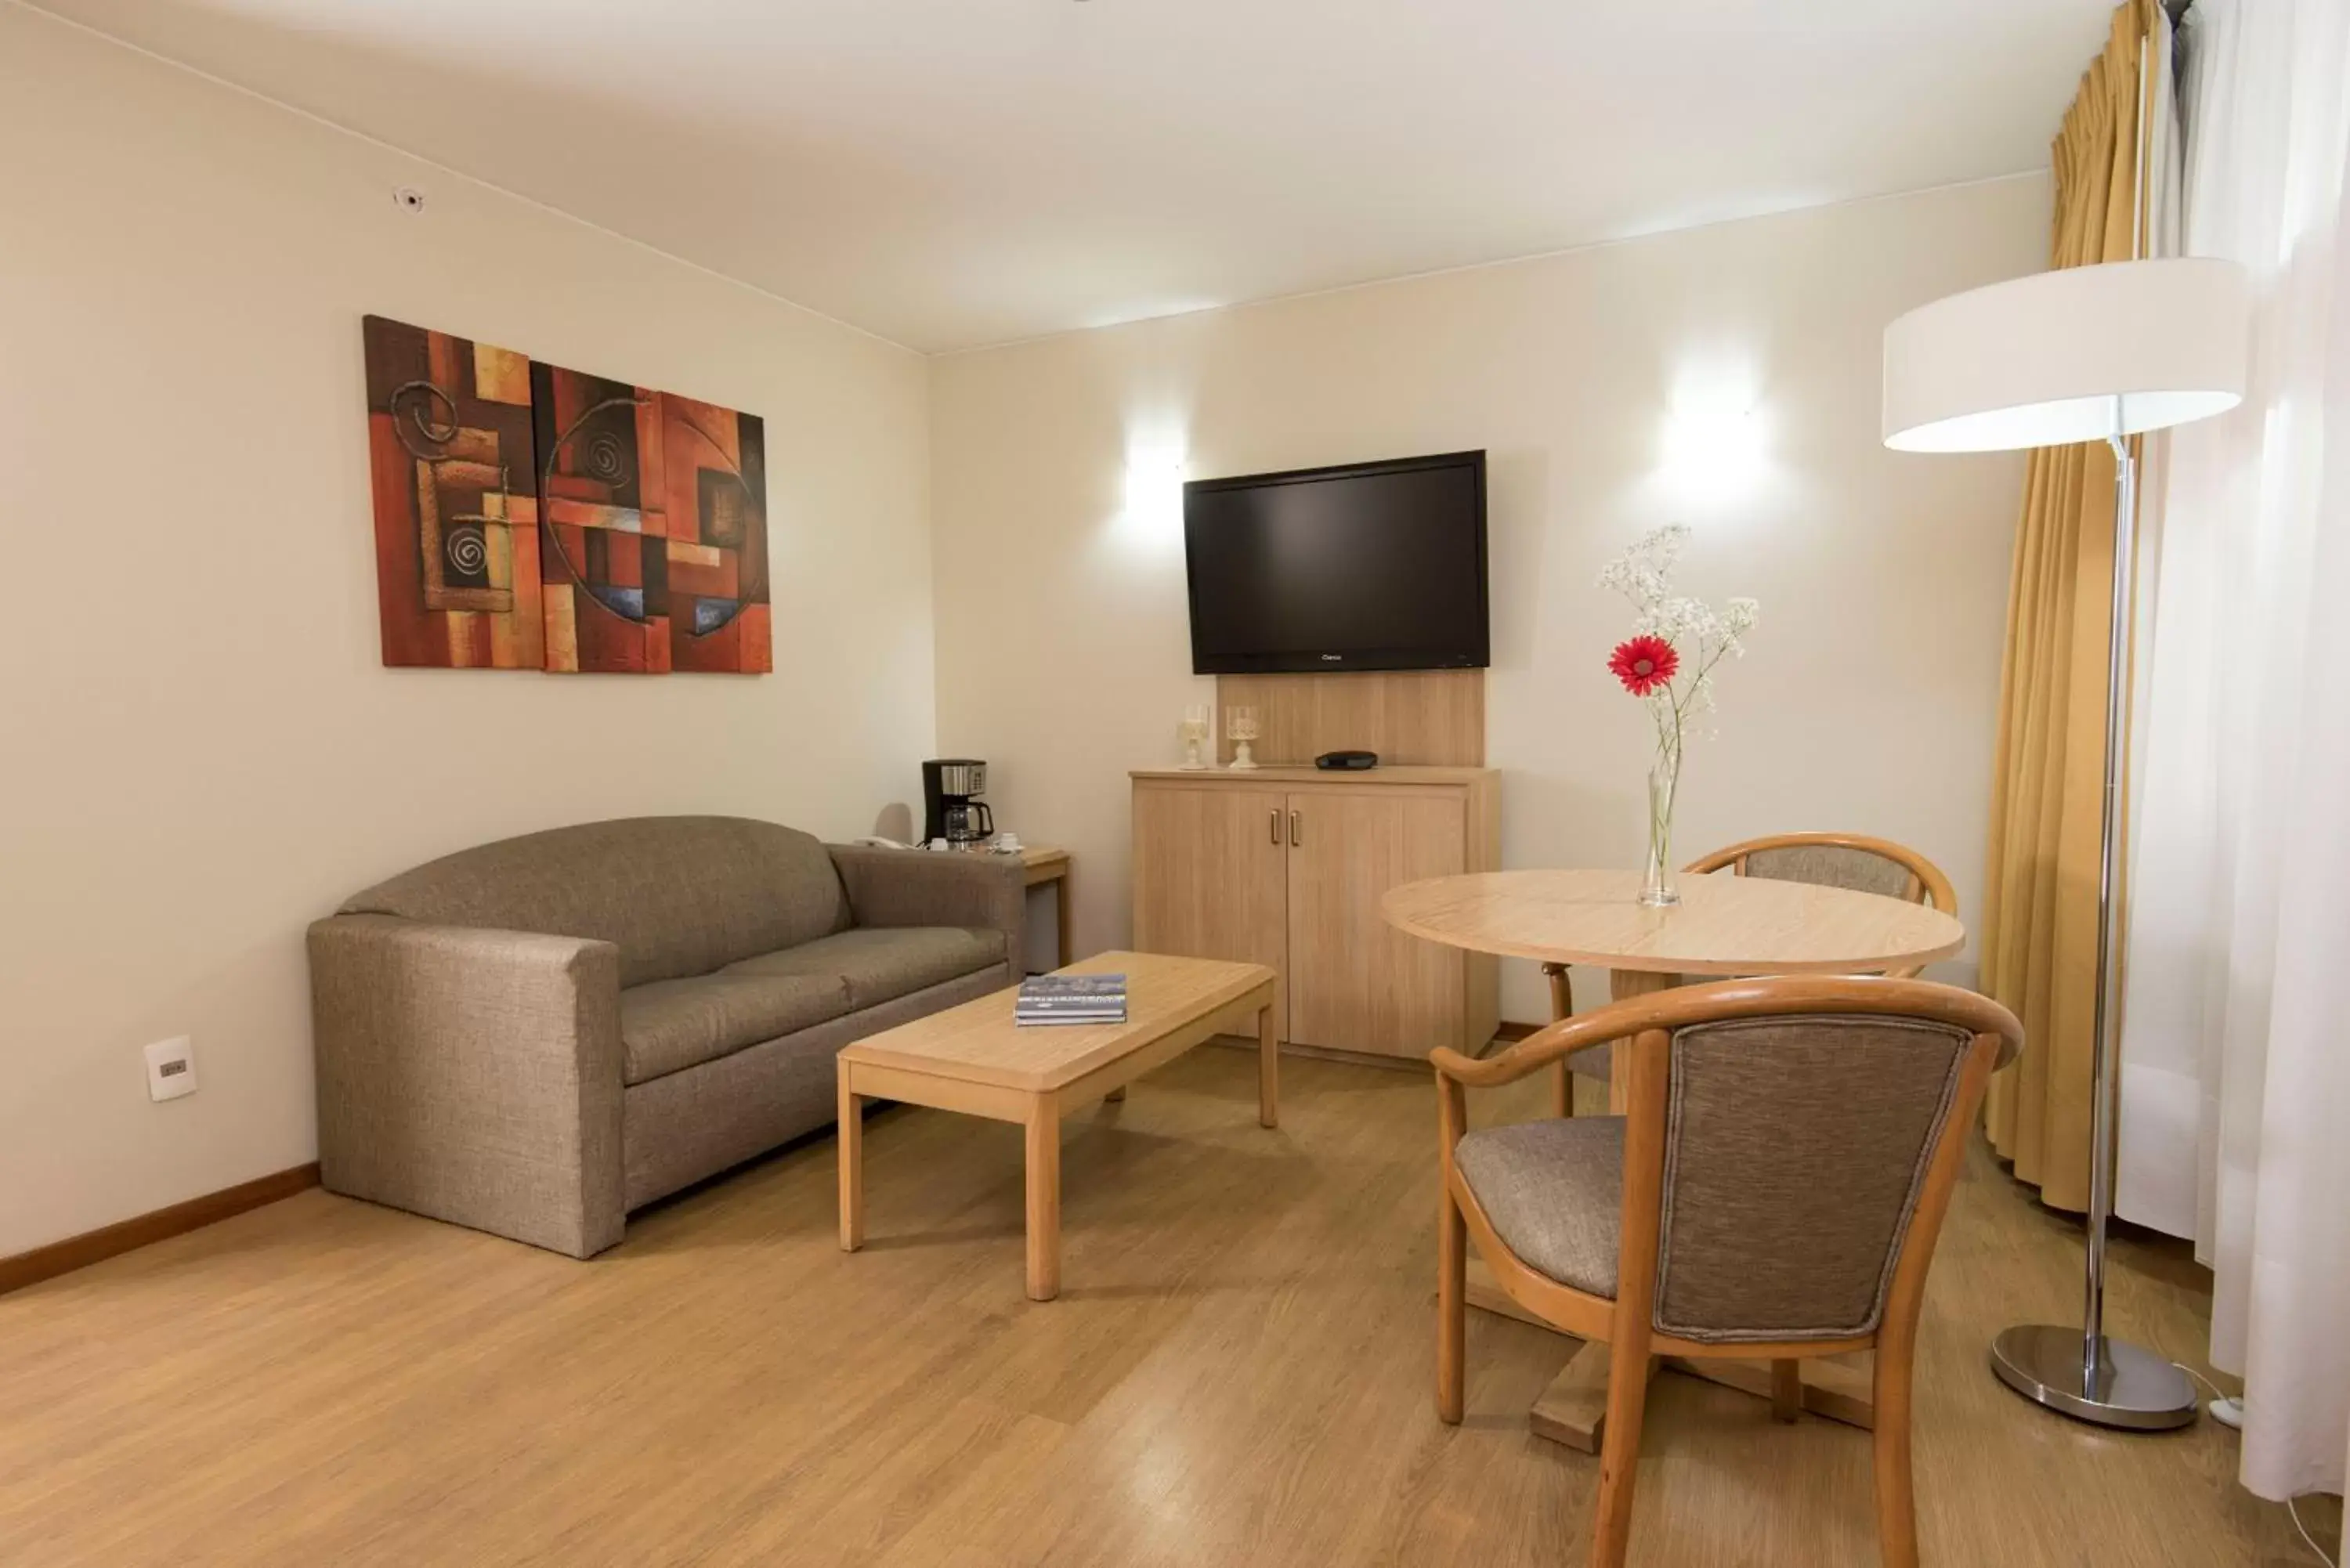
2040 906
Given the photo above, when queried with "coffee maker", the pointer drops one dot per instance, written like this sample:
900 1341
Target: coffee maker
951 809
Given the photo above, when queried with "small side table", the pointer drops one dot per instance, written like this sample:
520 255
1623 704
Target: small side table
1047 863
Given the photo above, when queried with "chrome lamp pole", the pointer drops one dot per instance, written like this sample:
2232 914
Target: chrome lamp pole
2086 353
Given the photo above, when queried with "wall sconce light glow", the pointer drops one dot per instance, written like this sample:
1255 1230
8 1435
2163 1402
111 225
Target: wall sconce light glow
1714 447
1150 514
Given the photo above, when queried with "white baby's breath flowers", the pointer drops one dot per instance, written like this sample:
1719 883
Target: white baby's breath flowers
1702 638
1640 572
1700 634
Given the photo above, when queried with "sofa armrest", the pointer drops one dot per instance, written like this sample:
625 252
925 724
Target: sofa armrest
473 1076
924 887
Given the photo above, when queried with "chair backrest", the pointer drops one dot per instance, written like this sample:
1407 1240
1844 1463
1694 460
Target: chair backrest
1790 1145
1852 860
1849 860
1796 1147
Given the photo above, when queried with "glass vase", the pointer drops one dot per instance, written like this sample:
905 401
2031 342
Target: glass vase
1659 883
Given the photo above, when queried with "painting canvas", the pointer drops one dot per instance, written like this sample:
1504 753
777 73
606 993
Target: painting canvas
655 553
456 508
531 517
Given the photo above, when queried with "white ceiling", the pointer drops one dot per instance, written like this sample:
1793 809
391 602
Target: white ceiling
949 174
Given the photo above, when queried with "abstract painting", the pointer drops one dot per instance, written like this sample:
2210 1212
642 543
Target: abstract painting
532 517
456 502
656 536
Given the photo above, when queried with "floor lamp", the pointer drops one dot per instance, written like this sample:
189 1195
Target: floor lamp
2081 354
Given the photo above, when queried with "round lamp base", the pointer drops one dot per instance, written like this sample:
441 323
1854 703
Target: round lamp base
2134 1389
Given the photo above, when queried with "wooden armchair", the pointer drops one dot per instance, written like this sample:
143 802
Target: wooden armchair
1852 860
1773 1192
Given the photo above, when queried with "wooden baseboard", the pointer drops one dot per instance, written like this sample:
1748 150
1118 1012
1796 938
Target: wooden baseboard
112 1241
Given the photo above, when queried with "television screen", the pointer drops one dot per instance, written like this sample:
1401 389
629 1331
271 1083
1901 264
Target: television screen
1378 565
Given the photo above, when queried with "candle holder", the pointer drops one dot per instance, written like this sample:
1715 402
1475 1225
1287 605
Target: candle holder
1240 725
1194 732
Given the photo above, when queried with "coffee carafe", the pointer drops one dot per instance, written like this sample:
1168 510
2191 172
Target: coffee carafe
951 809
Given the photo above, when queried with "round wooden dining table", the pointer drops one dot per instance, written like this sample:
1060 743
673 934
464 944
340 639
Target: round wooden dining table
1725 925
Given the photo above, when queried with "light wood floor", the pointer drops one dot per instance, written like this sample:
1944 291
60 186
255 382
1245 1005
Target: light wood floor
1237 1373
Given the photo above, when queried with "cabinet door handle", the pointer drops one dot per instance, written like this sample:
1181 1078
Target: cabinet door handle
1275 825
1297 834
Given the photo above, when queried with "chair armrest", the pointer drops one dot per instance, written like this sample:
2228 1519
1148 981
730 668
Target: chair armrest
473 1076
1540 1049
924 887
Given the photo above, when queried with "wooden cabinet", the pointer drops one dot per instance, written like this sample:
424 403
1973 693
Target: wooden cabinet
1210 876
1285 867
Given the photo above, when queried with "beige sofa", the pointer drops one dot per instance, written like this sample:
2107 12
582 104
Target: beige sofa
537 1036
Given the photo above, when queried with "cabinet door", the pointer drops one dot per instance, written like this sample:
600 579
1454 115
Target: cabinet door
1356 983
1209 875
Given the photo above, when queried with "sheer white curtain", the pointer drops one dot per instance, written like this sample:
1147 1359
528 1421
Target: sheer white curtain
2239 944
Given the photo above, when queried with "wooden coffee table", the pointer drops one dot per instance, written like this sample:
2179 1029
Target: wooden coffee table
975 1059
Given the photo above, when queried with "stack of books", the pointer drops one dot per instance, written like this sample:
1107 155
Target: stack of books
1071 999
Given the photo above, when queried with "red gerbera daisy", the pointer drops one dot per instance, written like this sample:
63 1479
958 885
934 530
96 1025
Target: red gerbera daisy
1644 664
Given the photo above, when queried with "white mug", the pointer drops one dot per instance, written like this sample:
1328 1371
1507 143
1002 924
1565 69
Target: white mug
1007 843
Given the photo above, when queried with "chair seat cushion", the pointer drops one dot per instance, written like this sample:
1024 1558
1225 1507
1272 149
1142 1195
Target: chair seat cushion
881 963
673 1024
1553 1191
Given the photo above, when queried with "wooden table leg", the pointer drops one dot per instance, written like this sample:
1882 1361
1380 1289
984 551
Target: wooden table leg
1622 985
1786 1389
852 1166
1043 1199
1832 1387
1573 1409
1061 918
1268 1069
1570 1411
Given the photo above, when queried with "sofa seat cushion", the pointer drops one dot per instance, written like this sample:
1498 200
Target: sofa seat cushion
881 963
673 1024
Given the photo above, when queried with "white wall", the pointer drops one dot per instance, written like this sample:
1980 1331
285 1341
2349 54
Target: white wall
1867 702
202 752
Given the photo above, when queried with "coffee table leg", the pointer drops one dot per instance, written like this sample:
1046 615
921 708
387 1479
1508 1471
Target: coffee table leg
852 1166
1044 1199
1268 1069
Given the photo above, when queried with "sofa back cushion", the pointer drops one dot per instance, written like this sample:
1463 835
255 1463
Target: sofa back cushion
677 894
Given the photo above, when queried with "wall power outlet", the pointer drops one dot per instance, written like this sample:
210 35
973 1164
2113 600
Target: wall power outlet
171 1068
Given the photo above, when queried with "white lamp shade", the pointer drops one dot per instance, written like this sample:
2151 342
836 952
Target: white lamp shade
2077 354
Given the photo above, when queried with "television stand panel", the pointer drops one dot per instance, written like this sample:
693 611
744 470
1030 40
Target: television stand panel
1424 716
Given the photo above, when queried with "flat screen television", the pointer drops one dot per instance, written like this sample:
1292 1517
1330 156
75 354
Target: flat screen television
1376 566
